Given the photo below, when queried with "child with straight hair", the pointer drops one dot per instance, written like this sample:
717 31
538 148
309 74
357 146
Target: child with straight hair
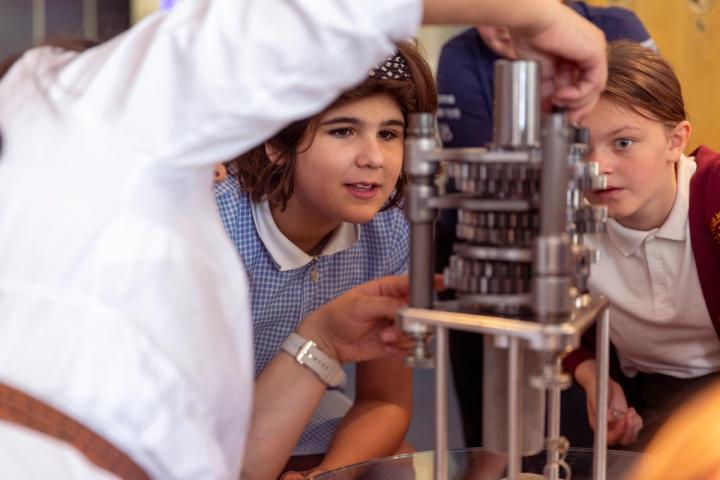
660 259
313 212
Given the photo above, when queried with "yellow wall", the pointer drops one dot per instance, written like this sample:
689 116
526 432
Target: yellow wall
140 8
687 33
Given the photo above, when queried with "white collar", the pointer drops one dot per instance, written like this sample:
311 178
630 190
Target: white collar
287 255
628 240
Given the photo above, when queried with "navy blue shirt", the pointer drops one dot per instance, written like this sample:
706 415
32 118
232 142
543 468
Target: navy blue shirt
465 75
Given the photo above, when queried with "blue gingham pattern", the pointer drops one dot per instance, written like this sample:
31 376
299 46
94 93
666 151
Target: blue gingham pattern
281 299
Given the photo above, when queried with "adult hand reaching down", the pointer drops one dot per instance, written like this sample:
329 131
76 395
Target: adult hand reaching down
571 50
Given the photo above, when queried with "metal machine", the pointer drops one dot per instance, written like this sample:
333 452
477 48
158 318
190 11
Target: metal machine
519 268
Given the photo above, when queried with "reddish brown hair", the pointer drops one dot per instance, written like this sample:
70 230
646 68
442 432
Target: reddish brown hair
641 80
275 180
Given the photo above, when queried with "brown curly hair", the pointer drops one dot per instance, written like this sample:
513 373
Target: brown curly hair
262 178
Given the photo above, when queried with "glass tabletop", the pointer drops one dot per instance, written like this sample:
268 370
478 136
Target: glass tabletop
478 464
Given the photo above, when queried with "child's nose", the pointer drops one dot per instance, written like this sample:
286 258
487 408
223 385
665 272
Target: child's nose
371 155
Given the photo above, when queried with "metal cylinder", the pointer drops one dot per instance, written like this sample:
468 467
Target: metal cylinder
420 168
496 401
516 112
441 405
555 175
421 265
419 142
601 406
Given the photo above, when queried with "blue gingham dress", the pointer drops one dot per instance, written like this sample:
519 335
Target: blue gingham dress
281 299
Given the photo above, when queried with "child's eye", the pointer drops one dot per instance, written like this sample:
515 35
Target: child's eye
623 143
388 134
341 132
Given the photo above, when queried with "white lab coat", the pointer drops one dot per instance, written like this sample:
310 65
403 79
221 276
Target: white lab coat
122 302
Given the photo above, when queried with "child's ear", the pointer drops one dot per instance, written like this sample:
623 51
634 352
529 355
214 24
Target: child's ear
220 172
678 139
273 154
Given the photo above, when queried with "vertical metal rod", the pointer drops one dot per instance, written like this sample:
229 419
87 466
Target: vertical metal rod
421 265
38 21
555 175
514 409
603 372
441 388
90 19
554 422
420 168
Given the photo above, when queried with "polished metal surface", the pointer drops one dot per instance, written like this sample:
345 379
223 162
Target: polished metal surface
519 269
441 401
497 384
562 337
603 373
516 114
420 140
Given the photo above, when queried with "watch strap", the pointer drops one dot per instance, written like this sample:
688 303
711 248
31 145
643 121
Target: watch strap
307 353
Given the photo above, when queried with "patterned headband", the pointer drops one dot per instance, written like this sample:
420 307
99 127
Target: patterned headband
393 67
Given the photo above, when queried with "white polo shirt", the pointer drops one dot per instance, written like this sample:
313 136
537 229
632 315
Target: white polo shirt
286 254
659 320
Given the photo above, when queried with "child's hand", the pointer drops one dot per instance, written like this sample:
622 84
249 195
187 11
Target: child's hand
359 325
623 426
624 423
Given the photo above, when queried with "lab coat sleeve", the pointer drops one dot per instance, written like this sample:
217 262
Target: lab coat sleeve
213 78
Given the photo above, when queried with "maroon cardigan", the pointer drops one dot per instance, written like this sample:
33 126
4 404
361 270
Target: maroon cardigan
704 216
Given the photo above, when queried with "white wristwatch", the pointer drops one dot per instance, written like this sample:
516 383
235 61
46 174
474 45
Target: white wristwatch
307 353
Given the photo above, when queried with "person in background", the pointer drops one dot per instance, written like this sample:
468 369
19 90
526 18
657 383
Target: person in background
465 119
659 262
313 211
123 305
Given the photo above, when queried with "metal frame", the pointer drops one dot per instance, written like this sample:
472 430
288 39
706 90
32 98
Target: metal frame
551 338
561 311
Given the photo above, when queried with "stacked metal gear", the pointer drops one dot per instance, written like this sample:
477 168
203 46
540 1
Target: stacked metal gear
496 180
479 270
494 223
584 175
498 229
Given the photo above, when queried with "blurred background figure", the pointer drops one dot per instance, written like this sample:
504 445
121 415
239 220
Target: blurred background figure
687 446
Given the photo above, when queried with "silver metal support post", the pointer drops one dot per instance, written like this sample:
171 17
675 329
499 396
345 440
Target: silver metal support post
516 112
420 168
603 372
515 409
555 175
441 388
553 450
421 268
